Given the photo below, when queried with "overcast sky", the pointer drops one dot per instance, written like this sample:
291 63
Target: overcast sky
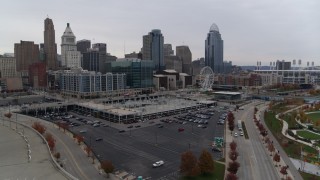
252 30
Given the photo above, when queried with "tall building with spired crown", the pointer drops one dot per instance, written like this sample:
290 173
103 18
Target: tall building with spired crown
70 57
50 46
214 50
153 48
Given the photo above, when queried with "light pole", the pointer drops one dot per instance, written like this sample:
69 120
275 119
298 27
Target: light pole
156 135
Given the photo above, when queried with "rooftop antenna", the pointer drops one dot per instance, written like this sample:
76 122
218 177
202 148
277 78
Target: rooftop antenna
124 48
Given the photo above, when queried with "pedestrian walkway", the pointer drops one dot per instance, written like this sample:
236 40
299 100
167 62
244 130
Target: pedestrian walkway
306 167
14 155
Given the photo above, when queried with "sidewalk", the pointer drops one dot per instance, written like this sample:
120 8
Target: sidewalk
14 160
306 167
72 155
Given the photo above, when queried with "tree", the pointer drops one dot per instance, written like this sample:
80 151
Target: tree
233 167
57 155
195 170
188 163
231 126
231 176
65 127
79 139
233 155
107 166
271 148
233 146
88 150
283 170
276 158
39 127
206 163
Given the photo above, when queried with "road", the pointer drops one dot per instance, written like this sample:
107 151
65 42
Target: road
255 162
73 157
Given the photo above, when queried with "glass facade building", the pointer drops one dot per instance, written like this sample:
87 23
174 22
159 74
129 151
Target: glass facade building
139 72
214 50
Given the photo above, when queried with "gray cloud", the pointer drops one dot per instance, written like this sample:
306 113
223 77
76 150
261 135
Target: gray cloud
252 30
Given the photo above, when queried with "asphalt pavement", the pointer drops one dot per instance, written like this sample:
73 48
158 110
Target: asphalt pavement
255 161
136 149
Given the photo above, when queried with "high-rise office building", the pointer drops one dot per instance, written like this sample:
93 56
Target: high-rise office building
173 62
101 47
214 50
167 50
26 53
70 57
50 46
83 45
139 72
153 48
186 56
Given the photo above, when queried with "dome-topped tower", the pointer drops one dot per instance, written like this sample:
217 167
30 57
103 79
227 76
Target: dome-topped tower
214 27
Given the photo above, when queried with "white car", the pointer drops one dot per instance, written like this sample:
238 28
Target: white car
241 133
158 164
235 134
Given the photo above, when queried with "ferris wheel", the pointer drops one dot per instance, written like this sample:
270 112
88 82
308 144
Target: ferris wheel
206 78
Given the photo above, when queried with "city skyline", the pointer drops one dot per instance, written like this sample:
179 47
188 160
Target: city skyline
252 31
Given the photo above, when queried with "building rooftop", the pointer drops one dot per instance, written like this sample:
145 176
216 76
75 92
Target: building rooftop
227 93
170 71
214 27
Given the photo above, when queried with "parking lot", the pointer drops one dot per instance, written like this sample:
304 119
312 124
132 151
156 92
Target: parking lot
135 147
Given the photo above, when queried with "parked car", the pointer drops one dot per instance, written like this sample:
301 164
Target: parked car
158 164
96 125
130 126
99 139
180 129
83 131
121 131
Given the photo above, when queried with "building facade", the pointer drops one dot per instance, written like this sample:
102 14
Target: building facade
197 65
50 46
101 47
7 67
38 75
26 53
82 82
186 56
153 48
93 60
173 62
83 45
70 57
167 50
214 50
139 72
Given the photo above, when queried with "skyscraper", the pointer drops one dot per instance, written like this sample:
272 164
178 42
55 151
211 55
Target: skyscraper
83 45
214 50
26 53
186 56
101 47
153 48
167 50
50 46
70 57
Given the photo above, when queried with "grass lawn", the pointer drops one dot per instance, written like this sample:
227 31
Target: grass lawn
307 176
314 118
292 148
308 135
217 175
